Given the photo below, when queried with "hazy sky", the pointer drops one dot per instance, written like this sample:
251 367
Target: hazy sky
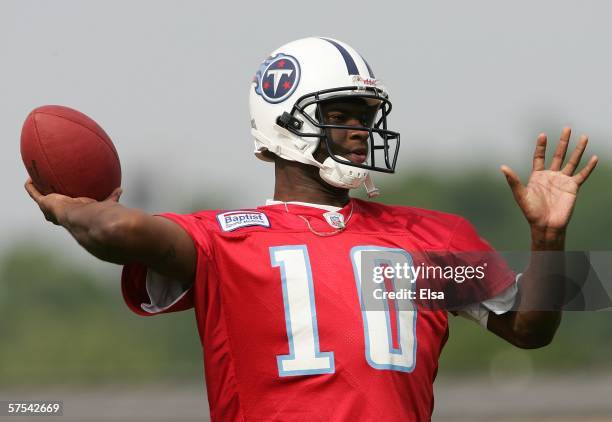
471 81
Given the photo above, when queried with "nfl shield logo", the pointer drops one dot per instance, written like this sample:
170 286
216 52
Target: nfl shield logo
334 219
277 78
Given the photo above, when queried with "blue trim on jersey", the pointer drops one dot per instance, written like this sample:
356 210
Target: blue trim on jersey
374 365
351 66
313 309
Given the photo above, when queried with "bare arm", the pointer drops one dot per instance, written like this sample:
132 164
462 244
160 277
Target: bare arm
541 297
121 235
547 201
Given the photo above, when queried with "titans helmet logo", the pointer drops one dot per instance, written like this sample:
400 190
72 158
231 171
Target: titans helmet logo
277 78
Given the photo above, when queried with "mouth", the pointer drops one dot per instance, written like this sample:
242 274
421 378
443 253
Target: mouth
357 156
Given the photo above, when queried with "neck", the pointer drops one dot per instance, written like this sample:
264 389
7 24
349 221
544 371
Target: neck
302 183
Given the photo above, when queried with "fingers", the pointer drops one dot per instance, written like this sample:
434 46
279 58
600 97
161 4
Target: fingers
584 174
576 156
115 195
559 156
514 182
32 191
539 153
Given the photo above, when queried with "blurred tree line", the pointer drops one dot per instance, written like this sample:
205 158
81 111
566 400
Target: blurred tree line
60 324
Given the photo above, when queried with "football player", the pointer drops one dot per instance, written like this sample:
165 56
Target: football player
279 290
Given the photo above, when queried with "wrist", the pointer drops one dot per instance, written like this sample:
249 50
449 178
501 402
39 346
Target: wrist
70 214
546 238
63 217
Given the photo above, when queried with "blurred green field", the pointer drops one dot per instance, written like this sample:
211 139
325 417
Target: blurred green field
61 324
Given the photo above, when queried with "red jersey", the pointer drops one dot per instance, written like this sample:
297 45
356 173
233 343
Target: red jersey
281 319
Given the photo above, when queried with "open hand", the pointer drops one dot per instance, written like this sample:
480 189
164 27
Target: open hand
548 199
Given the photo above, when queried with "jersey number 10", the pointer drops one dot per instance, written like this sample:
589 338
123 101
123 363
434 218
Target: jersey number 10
305 356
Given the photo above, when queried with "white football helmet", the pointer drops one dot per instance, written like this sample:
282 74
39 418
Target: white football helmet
286 119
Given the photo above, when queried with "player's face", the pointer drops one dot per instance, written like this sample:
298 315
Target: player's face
348 143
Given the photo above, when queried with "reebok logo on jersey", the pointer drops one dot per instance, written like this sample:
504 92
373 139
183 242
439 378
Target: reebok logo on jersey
233 220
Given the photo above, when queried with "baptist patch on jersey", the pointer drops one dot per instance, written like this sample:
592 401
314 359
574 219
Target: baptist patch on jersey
232 220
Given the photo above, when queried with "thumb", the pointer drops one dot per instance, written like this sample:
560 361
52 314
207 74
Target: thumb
513 181
115 195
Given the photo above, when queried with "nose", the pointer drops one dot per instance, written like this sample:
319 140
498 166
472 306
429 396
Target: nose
361 135
356 134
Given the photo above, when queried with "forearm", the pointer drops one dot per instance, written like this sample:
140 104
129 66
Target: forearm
542 283
122 235
97 227
542 290
541 295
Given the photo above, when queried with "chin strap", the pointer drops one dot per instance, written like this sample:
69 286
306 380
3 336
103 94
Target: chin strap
368 184
341 175
344 176
332 172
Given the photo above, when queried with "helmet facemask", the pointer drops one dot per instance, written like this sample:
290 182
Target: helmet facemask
382 144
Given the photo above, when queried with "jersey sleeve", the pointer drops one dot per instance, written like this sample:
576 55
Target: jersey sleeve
471 250
147 293
502 303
